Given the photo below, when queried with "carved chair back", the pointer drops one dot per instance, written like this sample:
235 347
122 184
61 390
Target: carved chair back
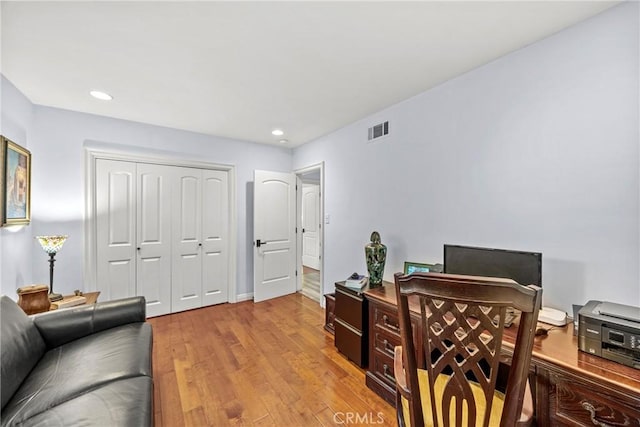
462 319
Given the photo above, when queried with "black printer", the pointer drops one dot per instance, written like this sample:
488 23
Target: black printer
611 331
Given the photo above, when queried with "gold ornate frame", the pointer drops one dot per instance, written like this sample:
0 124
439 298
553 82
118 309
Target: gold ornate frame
16 182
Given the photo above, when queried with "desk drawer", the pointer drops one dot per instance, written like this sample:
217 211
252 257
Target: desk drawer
385 342
572 402
350 342
349 308
387 319
384 334
382 367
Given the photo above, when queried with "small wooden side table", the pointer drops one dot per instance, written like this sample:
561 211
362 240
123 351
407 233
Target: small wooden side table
92 298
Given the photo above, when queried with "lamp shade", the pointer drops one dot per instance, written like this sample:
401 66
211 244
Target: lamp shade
51 244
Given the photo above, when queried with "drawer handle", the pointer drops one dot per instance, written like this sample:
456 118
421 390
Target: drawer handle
388 347
387 373
385 321
592 412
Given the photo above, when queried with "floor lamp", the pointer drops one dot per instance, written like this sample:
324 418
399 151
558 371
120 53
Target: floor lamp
52 245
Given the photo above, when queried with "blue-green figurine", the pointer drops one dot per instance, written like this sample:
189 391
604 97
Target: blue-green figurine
376 255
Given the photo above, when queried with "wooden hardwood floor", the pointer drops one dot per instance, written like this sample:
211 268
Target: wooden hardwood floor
269 363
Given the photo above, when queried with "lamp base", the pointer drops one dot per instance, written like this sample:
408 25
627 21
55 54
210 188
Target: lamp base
55 297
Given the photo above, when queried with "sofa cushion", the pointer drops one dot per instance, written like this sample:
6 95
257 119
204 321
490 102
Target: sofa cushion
81 366
22 347
59 327
120 403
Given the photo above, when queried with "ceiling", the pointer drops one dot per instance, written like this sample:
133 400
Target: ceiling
241 69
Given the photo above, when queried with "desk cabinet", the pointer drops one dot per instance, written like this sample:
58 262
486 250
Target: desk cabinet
329 312
570 388
384 333
350 324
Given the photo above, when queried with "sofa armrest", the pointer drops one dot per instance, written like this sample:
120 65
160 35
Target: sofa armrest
59 327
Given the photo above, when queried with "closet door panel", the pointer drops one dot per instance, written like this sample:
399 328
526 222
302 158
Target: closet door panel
215 225
151 269
154 237
162 232
115 228
187 239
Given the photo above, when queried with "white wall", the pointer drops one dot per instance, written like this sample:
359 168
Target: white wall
56 141
15 244
536 151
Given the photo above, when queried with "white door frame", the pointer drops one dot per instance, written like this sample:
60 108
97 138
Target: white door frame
299 172
90 223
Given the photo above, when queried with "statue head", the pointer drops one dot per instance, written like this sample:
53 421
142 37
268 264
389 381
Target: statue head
375 237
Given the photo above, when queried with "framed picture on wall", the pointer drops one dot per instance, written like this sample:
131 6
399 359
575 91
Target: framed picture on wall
15 169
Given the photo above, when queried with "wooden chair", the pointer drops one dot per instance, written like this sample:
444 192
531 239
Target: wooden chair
451 380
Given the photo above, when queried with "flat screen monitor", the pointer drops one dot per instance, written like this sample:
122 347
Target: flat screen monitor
523 267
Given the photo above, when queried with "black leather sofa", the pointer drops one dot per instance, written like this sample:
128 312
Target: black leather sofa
83 366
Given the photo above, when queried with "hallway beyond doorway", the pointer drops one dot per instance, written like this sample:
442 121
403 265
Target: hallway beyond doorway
311 283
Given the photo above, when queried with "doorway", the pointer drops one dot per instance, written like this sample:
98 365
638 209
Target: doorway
310 182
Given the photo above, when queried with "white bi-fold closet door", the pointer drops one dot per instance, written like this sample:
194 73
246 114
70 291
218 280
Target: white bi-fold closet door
162 232
200 255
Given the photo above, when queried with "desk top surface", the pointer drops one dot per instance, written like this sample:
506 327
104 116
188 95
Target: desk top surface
559 347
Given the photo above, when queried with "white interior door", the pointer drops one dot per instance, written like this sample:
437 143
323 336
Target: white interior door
215 237
154 237
115 228
186 274
274 219
311 225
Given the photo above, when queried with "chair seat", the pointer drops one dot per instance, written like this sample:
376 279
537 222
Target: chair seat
440 384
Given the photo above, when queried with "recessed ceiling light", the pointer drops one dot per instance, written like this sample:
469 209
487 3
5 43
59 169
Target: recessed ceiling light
277 132
284 141
101 95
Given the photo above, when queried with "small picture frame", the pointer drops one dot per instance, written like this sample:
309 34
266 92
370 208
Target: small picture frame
417 267
15 194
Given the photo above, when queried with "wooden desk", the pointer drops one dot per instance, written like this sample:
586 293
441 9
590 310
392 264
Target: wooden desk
570 387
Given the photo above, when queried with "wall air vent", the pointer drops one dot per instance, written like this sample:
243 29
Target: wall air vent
378 131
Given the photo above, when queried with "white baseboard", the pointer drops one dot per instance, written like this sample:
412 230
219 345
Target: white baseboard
244 297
